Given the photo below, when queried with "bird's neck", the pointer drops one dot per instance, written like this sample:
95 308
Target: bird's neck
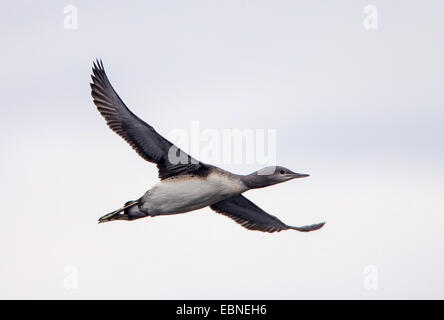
253 181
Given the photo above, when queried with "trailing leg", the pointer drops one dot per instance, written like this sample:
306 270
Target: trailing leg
131 211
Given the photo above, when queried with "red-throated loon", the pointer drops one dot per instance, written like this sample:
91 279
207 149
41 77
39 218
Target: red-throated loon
187 184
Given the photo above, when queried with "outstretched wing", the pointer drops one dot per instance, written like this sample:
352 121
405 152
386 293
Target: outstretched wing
250 216
141 136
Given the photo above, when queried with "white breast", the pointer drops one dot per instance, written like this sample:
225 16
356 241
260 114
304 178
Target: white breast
183 194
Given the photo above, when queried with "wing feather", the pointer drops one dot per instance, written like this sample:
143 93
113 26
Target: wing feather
250 216
142 137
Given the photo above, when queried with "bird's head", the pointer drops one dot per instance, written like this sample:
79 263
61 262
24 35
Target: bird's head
269 176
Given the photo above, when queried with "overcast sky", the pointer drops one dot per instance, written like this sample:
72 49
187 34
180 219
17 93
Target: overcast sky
360 110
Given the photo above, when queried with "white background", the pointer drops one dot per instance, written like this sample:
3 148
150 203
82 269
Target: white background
360 110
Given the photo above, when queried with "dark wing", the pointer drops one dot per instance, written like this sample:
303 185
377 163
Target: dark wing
141 136
250 216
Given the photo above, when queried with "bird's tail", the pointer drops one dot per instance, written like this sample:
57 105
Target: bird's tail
116 215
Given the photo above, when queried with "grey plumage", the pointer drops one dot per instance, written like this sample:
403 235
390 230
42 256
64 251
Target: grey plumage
250 216
189 176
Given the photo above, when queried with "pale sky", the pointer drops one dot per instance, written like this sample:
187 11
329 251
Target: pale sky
360 110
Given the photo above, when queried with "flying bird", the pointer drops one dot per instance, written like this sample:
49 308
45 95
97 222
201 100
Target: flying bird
186 184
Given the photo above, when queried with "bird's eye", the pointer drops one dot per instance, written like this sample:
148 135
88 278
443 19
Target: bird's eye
282 172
